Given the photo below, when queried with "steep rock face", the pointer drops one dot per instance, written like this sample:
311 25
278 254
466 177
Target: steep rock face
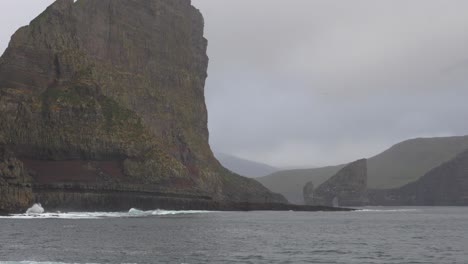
347 188
109 95
446 185
15 190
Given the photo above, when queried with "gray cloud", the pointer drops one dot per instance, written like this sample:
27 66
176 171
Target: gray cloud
309 83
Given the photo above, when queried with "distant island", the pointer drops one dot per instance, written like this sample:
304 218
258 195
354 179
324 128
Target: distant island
398 176
445 185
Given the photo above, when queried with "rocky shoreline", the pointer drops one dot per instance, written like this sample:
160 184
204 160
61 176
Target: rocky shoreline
77 200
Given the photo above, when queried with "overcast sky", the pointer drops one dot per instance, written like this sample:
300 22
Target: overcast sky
302 83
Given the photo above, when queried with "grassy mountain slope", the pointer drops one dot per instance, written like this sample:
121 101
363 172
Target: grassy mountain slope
401 164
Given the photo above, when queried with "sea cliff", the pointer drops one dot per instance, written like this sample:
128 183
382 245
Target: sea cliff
102 107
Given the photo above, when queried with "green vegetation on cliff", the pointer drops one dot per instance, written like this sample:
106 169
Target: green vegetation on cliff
111 93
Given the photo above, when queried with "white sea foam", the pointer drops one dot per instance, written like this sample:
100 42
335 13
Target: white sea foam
35 209
136 212
44 262
35 262
101 215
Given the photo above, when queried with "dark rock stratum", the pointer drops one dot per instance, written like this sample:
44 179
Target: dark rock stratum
102 107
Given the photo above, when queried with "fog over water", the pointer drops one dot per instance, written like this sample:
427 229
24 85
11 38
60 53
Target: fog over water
311 83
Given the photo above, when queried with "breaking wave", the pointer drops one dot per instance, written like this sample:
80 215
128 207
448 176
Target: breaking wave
43 262
132 213
35 209
35 262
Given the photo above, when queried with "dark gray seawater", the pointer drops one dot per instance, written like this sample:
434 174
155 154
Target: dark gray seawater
382 235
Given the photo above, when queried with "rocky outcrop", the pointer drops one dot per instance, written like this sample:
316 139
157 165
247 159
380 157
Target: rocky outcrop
347 188
99 97
446 185
15 188
308 193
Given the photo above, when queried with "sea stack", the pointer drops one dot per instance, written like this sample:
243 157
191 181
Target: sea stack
347 188
102 107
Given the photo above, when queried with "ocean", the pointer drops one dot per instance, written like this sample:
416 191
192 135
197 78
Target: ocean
372 235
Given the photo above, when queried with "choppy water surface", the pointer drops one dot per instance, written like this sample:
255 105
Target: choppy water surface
374 235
